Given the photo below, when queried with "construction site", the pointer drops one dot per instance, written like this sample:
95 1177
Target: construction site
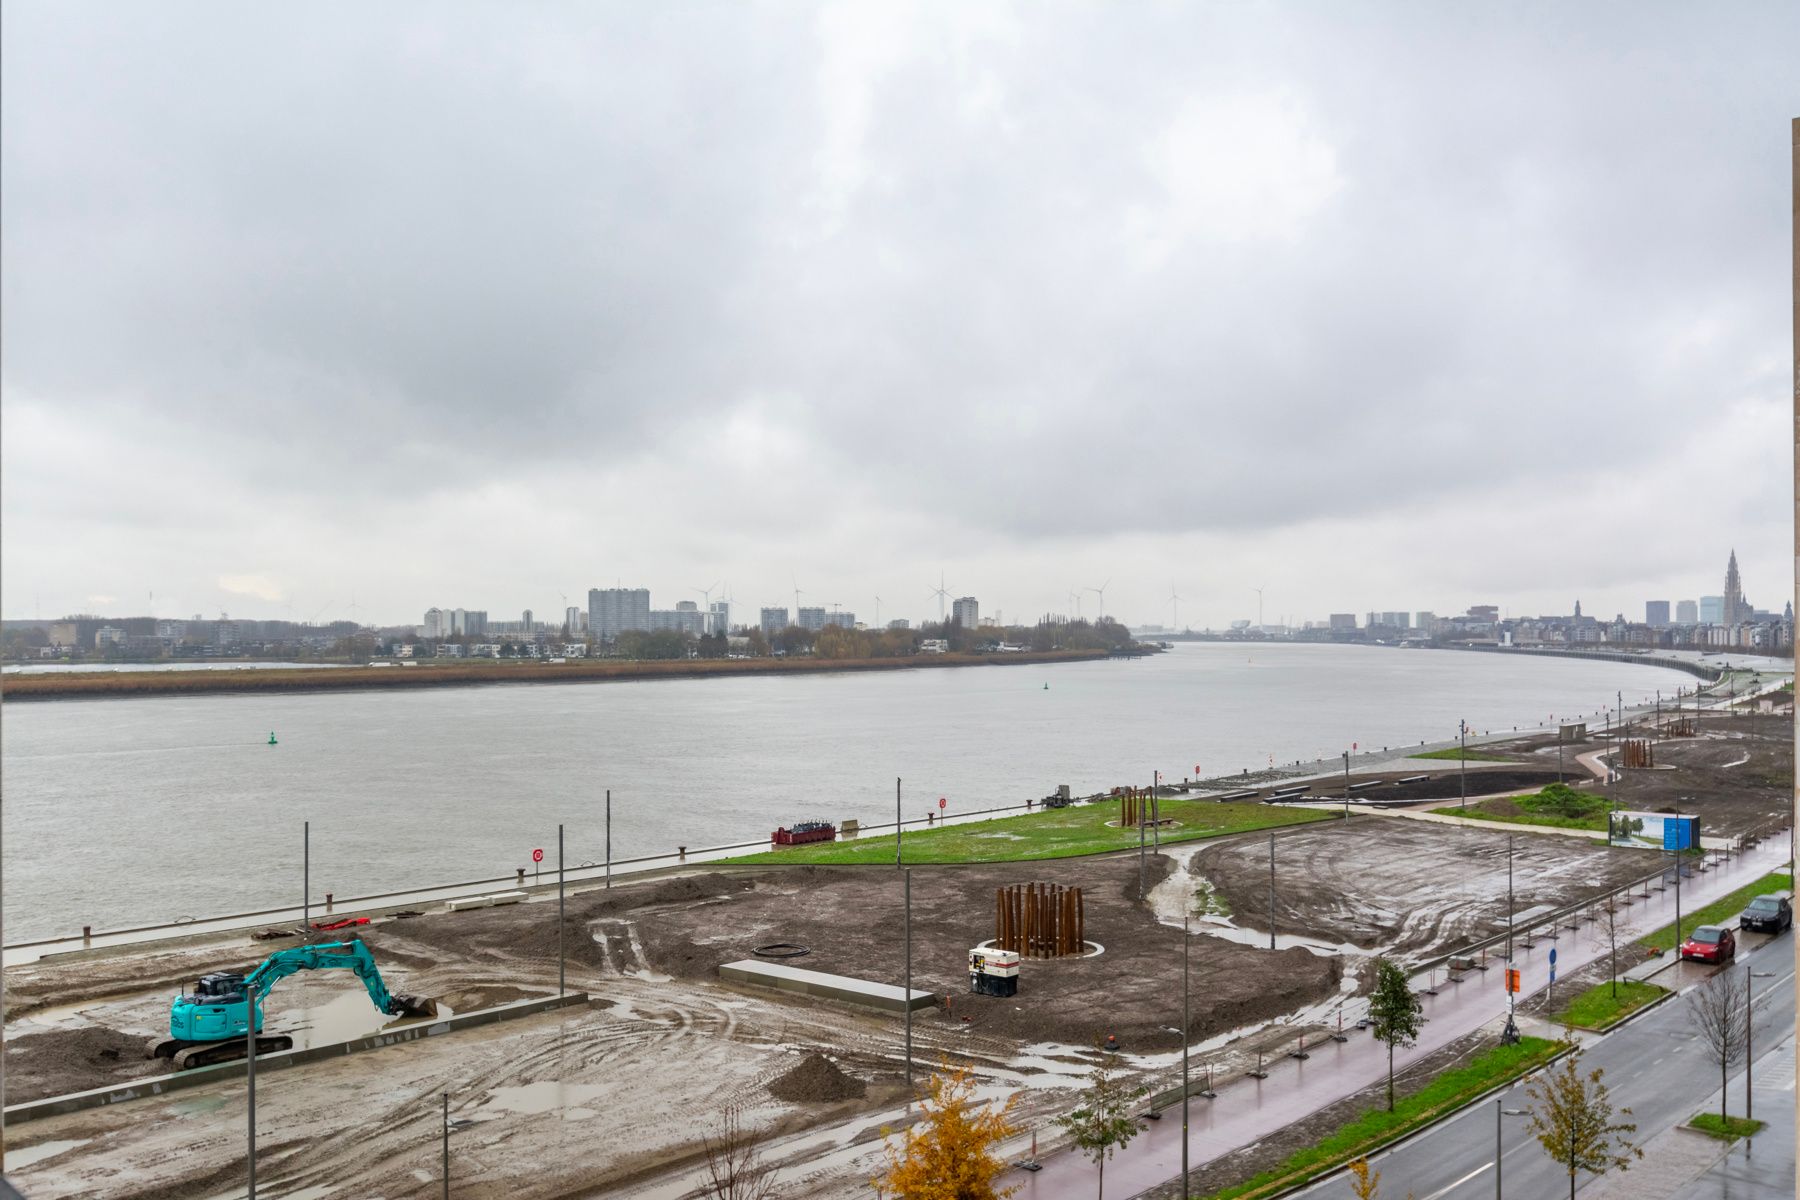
532 1057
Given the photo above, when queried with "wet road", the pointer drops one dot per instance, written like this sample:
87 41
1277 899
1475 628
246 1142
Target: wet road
1248 1110
1655 1065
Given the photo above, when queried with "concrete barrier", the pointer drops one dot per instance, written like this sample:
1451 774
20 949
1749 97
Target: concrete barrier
865 992
157 1085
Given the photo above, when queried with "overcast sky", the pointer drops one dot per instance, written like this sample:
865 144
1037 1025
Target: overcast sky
1378 307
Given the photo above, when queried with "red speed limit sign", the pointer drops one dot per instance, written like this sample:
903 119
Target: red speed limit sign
943 803
537 856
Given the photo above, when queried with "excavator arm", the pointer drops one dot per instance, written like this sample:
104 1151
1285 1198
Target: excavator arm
351 955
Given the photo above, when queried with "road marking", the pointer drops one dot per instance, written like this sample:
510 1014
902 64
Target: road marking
1448 1188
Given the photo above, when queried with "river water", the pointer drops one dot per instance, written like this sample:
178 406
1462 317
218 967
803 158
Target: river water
126 812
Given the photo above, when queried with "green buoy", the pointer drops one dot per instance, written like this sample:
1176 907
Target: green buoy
1046 687
272 737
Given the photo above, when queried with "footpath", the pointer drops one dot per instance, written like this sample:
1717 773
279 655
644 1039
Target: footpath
1248 1110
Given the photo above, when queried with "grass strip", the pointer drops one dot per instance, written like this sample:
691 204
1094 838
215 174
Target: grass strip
1457 754
1377 1127
1479 813
1053 833
1597 1008
1728 1129
1719 911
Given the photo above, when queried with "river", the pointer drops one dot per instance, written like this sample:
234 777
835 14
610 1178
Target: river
125 812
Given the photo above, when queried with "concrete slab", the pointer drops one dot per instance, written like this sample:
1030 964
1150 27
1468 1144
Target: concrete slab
867 993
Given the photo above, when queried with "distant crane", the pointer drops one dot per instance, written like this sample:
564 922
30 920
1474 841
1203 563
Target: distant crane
1174 607
1101 591
797 595
878 612
942 593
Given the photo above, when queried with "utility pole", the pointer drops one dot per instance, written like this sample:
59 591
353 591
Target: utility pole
906 874
250 1084
1499 1117
1140 817
1185 1038
1271 891
306 880
1678 883
1509 897
609 838
561 973
1559 753
897 858
446 1141
1462 737
1346 785
1749 1022
1155 812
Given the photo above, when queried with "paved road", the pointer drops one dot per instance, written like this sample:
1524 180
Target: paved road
1656 1065
1248 1110
1762 1166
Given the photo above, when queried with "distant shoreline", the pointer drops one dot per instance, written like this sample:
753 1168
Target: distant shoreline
127 685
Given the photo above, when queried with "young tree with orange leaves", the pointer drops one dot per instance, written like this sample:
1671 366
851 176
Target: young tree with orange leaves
949 1153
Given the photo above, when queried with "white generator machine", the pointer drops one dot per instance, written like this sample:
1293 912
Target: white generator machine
993 972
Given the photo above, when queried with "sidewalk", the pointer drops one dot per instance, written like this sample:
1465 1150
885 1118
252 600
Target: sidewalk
1248 1110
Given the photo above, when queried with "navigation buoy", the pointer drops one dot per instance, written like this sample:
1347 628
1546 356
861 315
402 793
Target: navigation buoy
1046 687
272 741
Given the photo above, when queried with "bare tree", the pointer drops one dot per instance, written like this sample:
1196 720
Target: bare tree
1604 934
1721 1012
735 1169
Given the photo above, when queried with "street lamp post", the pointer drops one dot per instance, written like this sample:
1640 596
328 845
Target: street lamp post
1271 891
1462 737
1346 785
250 1084
1184 1050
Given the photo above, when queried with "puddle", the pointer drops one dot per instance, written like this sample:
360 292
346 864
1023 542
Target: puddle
546 1096
345 1017
25 1156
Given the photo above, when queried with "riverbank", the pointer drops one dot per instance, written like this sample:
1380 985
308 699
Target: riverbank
98 685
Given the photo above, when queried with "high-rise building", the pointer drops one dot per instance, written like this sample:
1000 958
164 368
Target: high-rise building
436 624
966 612
718 616
811 618
685 617
468 622
1712 610
1656 614
575 621
1735 608
612 611
1424 621
1687 612
1343 620
774 620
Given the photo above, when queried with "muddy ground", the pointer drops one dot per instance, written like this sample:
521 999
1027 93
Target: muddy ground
1737 773
1410 889
614 1097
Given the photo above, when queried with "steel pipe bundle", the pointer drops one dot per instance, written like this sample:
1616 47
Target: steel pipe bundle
1039 920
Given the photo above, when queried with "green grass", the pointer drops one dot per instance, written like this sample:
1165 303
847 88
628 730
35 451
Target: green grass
1598 1008
1728 1129
1054 833
1376 1127
1557 805
1455 754
1719 911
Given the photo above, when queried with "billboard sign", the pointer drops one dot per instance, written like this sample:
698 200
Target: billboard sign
1660 831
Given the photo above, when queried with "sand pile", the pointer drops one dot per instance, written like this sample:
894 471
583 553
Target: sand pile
816 1078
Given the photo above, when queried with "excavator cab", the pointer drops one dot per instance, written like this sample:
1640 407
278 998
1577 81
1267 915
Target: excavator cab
218 1007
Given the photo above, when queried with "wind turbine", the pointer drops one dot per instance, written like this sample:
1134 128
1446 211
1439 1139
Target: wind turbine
1075 596
878 612
1101 590
797 595
942 593
706 592
1174 607
1259 605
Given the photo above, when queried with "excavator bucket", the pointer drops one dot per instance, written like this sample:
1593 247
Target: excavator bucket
415 1006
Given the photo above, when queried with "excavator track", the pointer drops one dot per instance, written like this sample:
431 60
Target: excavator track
188 1055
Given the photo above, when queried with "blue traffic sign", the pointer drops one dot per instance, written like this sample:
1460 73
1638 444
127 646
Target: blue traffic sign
1553 956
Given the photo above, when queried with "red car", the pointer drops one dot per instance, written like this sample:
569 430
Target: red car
1710 943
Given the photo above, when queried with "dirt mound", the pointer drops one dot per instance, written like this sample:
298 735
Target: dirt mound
817 1078
72 1060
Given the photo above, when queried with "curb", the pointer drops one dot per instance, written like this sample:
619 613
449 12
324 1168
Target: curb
157 1085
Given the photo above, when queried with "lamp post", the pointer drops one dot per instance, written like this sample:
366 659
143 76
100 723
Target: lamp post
1184 1049
1462 737
1346 785
250 1084
897 826
1155 811
906 873
1271 891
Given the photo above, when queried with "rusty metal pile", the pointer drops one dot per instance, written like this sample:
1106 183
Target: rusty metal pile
1040 920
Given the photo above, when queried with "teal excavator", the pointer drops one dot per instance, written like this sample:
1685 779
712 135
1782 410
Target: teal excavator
211 1024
